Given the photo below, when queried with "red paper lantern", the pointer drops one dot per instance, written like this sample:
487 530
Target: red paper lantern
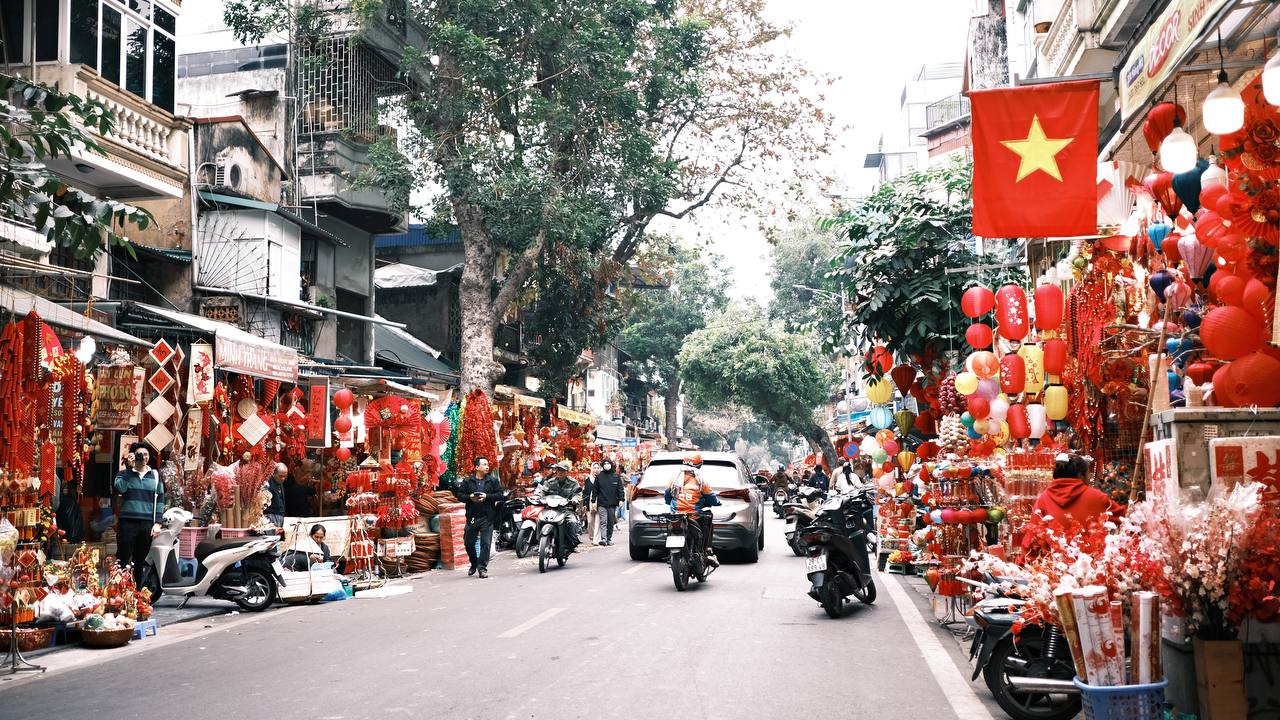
1161 187
977 301
1055 356
1200 372
1209 196
1011 312
879 360
984 364
926 423
342 424
1019 423
927 450
1222 394
964 517
343 399
1171 252
903 376
1230 290
1230 332
1254 380
979 336
1013 374
1256 298
1048 301
1159 123
979 407
949 516
343 454
979 515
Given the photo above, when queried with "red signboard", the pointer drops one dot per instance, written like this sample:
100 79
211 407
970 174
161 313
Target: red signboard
318 433
272 363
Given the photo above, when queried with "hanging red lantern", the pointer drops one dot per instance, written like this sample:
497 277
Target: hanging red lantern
1161 186
1230 290
903 376
1170 248
927 450
979 336
1013 374
878 361
1253 380
1200 372
1048 301
1256 298
1160 121
343 454
1011 312
1222 394
342 424
343 399
1230 332
1210 195
926 423
977 301
1019 422
1055 356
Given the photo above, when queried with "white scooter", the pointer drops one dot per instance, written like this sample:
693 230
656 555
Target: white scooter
246 571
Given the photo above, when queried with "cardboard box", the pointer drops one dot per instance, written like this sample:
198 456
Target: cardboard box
1237 460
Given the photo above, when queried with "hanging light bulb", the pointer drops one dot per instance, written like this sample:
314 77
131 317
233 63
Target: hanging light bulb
1213 175
1178 151
1271 79
85 352
1223 111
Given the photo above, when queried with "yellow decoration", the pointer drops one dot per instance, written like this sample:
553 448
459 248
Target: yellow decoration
1033 358
1055 402
1037 151
999 431
879 391
905 459
966 383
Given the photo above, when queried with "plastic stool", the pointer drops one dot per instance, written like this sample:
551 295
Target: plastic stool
144 628
187 567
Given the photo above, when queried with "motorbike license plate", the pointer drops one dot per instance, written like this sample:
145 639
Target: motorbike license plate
675 541
817 563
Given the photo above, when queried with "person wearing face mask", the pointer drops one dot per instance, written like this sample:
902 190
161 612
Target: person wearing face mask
141 507
608 490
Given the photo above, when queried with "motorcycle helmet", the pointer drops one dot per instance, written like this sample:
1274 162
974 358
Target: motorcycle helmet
693 459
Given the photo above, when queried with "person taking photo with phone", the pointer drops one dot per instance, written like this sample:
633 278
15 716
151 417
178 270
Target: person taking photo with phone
480 493
141 508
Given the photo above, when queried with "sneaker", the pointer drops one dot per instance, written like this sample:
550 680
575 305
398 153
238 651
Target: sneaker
472 571
484 574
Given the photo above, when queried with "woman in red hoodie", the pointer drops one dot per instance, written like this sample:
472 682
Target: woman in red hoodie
1069 503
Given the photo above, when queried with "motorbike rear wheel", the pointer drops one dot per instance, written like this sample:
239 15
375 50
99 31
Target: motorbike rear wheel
260 591
1027 705
868 595
832 601
680 571
797 544
544 553
524 541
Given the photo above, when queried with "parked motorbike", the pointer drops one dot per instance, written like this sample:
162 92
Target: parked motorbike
556 538
527 535
782 496
246 571
1030 674
686 547
508 528
801 512
836 553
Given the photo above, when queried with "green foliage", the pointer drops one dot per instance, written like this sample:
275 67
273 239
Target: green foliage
39 123
664 318
252 20
804 296
891 259
780 377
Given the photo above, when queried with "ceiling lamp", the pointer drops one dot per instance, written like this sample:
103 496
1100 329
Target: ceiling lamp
1178 151
1213 175
1271 79
1223 111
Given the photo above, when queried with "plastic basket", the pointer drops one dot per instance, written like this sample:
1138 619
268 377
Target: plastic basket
229 533
189 538
1123 702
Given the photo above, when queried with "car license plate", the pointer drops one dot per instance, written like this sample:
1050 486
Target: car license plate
675 541
817 563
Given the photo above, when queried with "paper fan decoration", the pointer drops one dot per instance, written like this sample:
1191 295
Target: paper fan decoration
1117 181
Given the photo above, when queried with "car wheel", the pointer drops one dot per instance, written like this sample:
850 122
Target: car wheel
760 537
638 552
751 554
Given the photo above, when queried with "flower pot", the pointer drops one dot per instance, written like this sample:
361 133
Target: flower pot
1220 679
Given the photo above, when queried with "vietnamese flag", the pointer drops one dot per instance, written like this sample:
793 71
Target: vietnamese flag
1035 160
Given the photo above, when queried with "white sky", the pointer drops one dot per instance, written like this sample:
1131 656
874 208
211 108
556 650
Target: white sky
872 47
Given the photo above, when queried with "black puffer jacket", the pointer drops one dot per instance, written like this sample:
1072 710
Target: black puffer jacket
608 489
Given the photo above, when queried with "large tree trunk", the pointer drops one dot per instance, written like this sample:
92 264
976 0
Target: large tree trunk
671 399
475 299
821 445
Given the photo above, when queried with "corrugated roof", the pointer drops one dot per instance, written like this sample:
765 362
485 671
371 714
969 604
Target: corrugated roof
417 236
403 349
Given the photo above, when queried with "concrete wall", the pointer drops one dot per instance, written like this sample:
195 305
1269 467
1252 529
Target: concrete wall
269 117
233 144
431 257
426 313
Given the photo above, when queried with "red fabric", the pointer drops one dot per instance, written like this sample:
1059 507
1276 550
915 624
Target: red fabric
1071 503
1038 204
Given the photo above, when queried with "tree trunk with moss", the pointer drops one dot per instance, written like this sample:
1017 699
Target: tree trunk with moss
672 400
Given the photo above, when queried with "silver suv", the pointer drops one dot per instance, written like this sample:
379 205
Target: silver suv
728 476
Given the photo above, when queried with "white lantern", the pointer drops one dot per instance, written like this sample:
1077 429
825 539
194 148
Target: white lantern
1178 151
1037 419
88 346
1213 175
1271 80
1223 109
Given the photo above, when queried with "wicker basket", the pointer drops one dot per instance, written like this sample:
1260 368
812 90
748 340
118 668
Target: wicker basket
189 538
29 639
106 638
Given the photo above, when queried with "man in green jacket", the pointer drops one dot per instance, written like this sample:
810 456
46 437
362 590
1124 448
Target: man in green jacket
141 507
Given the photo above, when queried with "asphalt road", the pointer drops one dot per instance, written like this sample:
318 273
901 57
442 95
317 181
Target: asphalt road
604 637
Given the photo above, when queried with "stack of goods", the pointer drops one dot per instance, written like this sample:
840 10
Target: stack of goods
1025 477
453 550
426 541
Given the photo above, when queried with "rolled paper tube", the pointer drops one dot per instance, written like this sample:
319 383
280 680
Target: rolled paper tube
1087 670
1153 632
1117 636
1140 620
1067 614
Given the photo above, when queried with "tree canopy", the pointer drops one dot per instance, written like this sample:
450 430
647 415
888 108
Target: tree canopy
781 377
804 297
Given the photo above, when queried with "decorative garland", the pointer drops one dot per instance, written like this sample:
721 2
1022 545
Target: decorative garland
477 439
453 414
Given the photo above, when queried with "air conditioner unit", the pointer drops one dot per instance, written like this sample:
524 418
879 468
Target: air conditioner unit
226 173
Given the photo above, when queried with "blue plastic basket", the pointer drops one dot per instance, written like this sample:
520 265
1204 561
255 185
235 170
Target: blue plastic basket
1123 702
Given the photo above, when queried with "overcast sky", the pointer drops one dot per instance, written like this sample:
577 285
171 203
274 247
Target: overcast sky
872 48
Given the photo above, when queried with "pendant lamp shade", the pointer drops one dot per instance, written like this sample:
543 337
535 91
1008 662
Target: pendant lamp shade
1178 151
1223 111
1213 175
1271 80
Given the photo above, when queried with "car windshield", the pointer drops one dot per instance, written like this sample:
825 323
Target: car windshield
719 477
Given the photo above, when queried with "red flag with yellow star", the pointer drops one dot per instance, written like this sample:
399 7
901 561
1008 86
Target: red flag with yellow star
1035 155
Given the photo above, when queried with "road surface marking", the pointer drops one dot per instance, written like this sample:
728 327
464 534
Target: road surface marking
955 688
633 570
532 623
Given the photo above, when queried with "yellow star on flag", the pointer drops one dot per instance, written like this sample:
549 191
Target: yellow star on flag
1037 152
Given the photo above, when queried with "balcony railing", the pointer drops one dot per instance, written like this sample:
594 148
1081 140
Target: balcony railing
946 110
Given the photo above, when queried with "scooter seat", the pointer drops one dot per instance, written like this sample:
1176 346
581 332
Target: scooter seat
209 547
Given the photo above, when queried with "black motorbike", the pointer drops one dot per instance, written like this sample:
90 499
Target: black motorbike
508 526
836 553
801 511
1029 674
686 548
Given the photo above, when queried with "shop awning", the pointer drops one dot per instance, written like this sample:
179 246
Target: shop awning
402 275
21 302
519 397
298 305
237 350
379 386
398 347
573 416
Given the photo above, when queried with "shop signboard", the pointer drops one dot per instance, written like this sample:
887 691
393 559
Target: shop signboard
113 397
630 442
1238 460
318 413
573 416
1159 53
1161 463
264 361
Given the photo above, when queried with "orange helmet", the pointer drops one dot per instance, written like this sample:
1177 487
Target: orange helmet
693 458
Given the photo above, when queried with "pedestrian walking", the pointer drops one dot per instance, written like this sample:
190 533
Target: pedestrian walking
589 502
480 493
608 493
141 506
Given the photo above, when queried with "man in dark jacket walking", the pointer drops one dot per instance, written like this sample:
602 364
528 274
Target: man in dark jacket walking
608 492
481 493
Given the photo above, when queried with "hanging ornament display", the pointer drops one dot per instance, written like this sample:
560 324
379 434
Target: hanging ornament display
977 301
1011 312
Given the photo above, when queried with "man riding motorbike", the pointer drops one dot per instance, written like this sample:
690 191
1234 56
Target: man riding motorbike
688 493
566 487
